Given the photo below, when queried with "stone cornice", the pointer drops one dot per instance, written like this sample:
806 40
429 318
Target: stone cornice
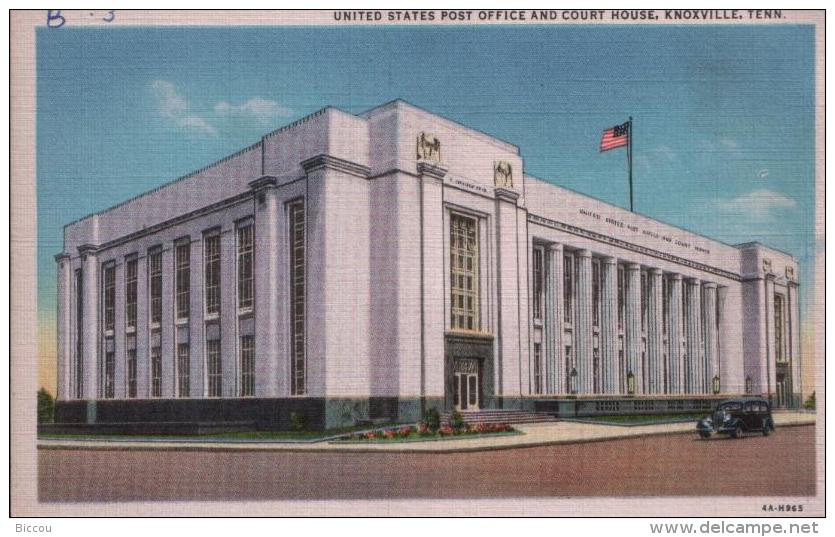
335 163
505 194
61 257
263 182
87 249
431 169
580 232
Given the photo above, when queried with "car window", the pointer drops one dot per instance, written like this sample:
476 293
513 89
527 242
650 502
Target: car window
750 407
730 407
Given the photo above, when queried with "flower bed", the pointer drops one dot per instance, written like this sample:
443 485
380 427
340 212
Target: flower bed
422 431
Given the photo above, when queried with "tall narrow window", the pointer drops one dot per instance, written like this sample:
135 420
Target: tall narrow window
247 366
79 334
109 374
297 297
595 293
130 293
215 371
156 372
568 288
109 298
644 300
183 366
132 373
665 285
182 276
463 253
779 329
211 280
537 368
155 278
621 296
537 283
246 246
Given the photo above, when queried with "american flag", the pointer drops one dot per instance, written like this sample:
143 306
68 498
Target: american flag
617 136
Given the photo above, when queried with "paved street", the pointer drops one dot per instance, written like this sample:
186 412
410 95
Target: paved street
661 465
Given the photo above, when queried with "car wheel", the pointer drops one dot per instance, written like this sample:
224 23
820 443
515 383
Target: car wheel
704 434
737 432
767 429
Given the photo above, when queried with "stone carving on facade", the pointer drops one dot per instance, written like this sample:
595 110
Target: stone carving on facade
503 174
766 265
428 147
790 273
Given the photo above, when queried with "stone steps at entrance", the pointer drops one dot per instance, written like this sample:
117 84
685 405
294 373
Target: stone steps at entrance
501 416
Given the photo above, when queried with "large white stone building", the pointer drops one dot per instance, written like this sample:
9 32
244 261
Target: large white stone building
346 268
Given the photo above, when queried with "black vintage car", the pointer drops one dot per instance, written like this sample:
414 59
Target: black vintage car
737 417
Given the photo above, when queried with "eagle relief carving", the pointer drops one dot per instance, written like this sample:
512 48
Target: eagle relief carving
503 174
428 148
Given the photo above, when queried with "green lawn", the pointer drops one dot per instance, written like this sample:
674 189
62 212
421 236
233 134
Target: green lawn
645 418
245 436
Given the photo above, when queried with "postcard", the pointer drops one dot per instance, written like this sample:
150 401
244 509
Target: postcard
417 262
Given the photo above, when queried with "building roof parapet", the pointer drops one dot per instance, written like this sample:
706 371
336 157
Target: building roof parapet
327 161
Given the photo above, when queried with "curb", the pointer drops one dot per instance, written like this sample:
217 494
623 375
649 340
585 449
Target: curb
395 449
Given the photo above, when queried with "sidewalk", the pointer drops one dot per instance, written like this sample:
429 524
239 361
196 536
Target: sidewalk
534 434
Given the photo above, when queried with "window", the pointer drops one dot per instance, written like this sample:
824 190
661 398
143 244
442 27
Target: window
155 278
779 329
537 368
595 293
665 284
182 276
245 260
537 283
211 281
297 297
132 373
568 288
109 298
183 365
247 366
621 296
130 293
644 300
156 372
464 273
79 334
215 371
109 374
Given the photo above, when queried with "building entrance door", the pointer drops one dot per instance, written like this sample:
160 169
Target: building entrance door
465 384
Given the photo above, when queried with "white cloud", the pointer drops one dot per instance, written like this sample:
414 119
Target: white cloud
258 108
175 108
759 205
762 174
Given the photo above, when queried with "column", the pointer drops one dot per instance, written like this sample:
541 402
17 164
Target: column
120 373
583 324
143 336
674 336
768 384
693 317
197 327
228 312
266 287
798 390
633 325
655 332
554 358
711 339
64 326
90 277
609 325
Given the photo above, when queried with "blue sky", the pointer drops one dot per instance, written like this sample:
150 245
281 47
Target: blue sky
723 116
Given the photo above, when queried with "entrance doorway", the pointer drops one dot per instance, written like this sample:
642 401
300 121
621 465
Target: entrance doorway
465 384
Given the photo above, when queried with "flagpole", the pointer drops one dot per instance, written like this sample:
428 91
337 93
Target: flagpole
629 160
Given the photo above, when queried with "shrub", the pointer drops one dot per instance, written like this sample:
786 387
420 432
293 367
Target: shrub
297 421
457 421
433 420
423 428
446 430
389 433
405 431
811 402
46 406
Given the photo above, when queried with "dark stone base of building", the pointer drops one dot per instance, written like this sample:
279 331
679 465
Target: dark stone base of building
574 407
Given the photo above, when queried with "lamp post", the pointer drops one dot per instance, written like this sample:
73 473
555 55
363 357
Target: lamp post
573 380
630 383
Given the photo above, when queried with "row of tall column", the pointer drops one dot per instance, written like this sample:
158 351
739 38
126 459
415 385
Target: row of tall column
639 356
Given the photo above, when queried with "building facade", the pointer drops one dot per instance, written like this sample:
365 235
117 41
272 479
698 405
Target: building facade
347 268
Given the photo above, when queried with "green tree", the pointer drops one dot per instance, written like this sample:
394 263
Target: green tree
46 406
811 402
